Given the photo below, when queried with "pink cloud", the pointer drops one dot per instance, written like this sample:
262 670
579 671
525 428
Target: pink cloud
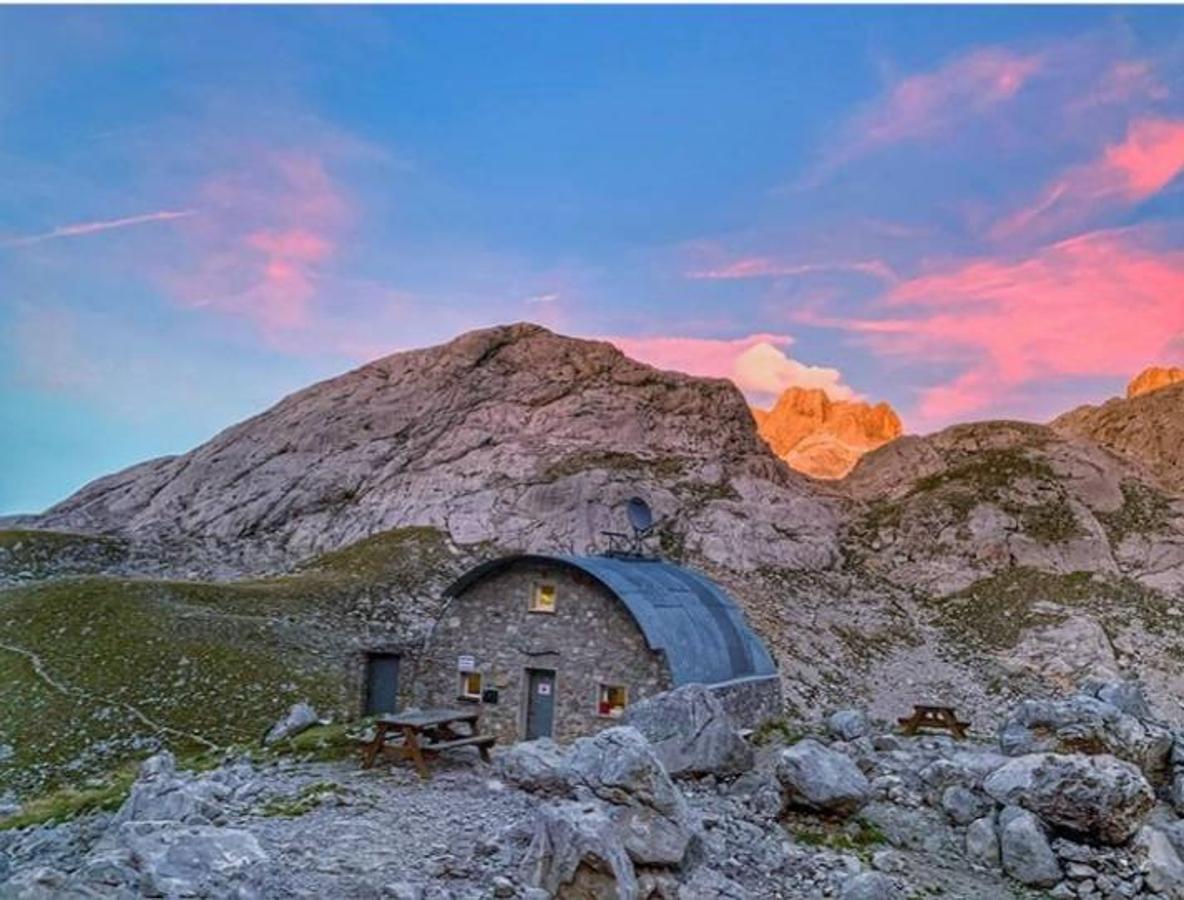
757 364
268 232
1103 303
1146 161
763 267
79 229
935 103
1124 81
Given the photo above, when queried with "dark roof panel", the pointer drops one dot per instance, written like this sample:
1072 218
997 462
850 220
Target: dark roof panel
680 612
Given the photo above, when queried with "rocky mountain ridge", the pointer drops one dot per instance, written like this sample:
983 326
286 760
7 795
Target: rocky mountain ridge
821 437
512 435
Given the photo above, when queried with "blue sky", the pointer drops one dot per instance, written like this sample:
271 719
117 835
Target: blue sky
968 212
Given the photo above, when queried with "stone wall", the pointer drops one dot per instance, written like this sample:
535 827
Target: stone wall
750 701
590 639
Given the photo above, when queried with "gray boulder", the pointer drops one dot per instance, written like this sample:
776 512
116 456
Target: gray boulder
869 886
982 841
964 805
539 767
1024 849
816 778
1127 695
159 794
194 861
1162 865
1099 798
619 767
848 724
1086 724
300 718
691 732
577 851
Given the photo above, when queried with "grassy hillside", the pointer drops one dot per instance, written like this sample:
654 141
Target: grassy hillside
97 670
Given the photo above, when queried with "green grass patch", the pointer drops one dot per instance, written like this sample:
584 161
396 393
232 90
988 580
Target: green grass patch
780 731
1144 509
63 804
993 613
663 467
996 476
304 801
857 836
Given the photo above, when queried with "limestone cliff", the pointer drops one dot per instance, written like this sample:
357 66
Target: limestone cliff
821 437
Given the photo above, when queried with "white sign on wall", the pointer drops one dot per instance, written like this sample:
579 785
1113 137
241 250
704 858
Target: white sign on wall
466 664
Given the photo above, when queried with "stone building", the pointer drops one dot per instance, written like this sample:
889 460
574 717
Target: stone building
558 646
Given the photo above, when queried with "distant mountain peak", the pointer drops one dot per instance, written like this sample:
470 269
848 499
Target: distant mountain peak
821 437
1153 378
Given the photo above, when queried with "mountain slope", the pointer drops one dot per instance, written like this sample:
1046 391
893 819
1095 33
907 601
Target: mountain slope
821 437
1147 427
945 510
511 434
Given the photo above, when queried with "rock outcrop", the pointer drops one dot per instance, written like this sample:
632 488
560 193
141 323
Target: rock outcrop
691 732
1153 378
821 437
1146 427
512 435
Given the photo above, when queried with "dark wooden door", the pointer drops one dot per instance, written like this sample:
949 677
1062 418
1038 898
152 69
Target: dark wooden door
540 703
382 683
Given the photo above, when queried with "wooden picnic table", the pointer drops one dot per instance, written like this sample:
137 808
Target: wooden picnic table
942 718
425 732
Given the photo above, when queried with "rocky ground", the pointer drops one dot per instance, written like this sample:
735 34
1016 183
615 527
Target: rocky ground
1077 798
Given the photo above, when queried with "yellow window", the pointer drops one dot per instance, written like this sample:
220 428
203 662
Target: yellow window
613 699
542 599
470 685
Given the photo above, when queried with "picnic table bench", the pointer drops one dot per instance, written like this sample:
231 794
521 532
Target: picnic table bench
941 718
425 732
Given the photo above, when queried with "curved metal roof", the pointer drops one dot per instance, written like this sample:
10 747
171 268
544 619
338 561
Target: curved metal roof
679 611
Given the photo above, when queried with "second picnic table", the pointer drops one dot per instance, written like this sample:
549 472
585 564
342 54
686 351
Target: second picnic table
424 732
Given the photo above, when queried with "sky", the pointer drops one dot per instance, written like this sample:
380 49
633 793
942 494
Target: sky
971 212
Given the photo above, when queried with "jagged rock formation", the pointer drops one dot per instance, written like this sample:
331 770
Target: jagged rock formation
821 437
1153 378
1147 426
512 435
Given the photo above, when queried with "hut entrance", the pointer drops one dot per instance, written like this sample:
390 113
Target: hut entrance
540 703
382 683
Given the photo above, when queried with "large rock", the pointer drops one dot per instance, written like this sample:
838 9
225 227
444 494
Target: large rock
300 718
1024 849
193 861
539 767
982 841
1087 724
817 778
691 732
869 886
577 852
848 724
1100 798
159 794
619 767
1163 867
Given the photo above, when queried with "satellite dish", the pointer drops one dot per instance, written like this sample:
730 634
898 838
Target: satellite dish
640 515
